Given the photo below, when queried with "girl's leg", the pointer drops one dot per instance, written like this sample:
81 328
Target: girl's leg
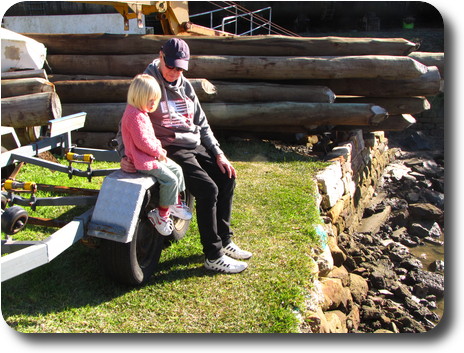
169 188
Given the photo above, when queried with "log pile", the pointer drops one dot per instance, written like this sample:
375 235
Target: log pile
260 83
29 100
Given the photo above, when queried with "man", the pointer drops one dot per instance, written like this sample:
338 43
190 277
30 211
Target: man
185 134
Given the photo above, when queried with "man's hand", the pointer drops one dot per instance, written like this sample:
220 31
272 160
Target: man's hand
127 165
225 166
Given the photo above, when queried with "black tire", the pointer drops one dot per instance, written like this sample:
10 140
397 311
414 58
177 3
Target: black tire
4 201
14 219
135 262
181 226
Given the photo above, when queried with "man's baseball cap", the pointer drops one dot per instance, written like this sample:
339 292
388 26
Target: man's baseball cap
176 53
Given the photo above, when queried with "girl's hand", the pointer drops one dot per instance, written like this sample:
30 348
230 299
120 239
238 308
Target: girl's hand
127 165
162 156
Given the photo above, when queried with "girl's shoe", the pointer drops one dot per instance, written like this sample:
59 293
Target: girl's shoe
181 210
163 225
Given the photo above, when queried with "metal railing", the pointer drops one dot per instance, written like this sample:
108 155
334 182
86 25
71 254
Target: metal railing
234 19
249 16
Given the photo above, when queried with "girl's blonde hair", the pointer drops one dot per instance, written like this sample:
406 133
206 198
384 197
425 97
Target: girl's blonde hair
143 88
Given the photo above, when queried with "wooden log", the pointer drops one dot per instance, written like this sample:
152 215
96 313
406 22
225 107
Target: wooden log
240 92
101 117
58 77
30 110
102 65
95 91
249 67
21 86
272 45
106 116
430 59
9 75
113 91
100 91
428 84
393 123
394 106
292 114
100 140
286 68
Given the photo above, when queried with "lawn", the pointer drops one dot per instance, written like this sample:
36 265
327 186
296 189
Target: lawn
274 217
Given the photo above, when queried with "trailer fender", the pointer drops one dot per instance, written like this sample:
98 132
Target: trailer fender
118 206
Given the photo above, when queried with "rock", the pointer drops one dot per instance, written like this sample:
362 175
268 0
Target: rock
358 288
433 241
377 280
335 323
338 255
402 292
317 322
436 231
370 312
353 319
411 264
418 230
425 211
335 295
342 274
434 282
382 330
437 266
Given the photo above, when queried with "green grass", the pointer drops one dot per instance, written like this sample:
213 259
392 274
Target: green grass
274 216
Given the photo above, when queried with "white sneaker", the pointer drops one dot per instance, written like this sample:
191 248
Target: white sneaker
232 250
226 264
163 225
181 211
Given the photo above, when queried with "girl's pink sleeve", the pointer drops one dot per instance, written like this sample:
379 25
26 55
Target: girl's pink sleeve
143 135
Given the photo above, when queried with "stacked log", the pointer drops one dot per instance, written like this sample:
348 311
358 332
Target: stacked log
260 83
29 100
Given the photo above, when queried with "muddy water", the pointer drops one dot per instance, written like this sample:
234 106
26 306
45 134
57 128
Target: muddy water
428 254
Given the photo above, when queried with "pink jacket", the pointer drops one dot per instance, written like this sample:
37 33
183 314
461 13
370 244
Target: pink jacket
140 142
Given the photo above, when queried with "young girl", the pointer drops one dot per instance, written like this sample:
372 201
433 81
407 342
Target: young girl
145 151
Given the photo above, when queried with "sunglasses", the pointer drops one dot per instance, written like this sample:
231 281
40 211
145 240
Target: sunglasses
171 67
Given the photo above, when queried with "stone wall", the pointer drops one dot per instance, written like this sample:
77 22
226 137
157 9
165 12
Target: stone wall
346 188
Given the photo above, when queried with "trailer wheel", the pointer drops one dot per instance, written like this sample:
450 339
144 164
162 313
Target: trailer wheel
4 201
135 262
181 226
14 219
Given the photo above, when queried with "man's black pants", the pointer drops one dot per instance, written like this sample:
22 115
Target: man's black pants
213 192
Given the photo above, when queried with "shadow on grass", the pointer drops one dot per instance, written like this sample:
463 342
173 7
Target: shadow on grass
252 150
76 279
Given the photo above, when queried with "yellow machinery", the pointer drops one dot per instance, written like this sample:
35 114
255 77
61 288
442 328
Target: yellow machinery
173 15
